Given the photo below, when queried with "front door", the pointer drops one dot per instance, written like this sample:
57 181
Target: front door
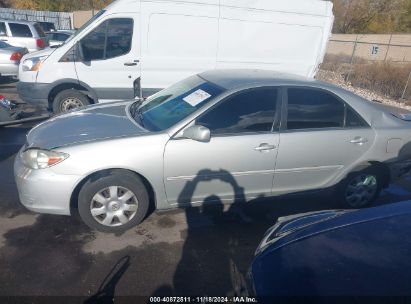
238 162
111 53
321 137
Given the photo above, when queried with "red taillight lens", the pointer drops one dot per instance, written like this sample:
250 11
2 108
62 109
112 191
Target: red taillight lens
16 56
40 43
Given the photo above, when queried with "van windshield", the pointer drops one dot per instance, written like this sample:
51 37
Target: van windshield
99 14
166 108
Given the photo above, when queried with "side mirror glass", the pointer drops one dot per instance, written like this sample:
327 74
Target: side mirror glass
197 133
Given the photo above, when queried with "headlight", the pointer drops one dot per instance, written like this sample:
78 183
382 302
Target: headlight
41 159
33 64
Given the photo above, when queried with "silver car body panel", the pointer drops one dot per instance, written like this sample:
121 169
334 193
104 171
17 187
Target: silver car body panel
7 66
182 171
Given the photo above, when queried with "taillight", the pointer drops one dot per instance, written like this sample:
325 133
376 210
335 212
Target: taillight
40 43
16 56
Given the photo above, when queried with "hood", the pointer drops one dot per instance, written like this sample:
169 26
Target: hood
291 229
43 53
93 123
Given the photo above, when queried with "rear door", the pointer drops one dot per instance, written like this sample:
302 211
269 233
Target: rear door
321 136
111 54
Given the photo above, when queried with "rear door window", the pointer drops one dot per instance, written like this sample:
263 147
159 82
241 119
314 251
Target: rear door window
314 109
3 31
20 30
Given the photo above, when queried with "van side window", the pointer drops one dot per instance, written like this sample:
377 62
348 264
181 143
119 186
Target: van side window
314 109
3 31
20 30
110 39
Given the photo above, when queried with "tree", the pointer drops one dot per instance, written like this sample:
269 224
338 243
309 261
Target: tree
367 16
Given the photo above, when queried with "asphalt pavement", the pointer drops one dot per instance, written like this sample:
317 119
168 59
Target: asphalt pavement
197 251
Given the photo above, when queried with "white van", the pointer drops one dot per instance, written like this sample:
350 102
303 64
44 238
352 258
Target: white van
134 48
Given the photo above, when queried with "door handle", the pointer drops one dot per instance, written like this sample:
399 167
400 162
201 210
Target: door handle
265 147
359 141
130 63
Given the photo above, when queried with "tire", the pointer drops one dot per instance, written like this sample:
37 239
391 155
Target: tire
111 213
69 100
360 189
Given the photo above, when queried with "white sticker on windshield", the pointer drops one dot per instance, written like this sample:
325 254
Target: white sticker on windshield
196 97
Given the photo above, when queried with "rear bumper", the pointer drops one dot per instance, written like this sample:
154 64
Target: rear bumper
34 93
9 69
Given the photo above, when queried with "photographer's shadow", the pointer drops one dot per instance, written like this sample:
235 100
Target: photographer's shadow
214 242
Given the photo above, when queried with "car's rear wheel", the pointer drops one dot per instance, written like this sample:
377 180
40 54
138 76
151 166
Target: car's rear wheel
360 189
69 100
115 202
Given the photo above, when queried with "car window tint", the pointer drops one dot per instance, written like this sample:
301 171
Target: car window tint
354 120
312 109
93 45
39 30
119 37
250 111
20 30
61 37
3 31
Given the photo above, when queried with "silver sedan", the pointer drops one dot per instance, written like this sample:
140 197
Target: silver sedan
220 136
10 59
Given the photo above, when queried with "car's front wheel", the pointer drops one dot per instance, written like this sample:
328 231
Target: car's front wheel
360 189
114 202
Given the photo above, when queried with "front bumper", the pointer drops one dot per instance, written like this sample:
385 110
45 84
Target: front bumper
43 190
34 93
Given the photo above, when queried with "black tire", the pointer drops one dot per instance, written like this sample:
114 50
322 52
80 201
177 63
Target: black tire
121 179
375 182
69 100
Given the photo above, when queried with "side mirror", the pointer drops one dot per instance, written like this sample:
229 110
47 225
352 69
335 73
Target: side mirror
197 133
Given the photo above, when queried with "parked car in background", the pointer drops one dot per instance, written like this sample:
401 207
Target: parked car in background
10 57
24 34
57 38
272 134
336 253
47 26
135 48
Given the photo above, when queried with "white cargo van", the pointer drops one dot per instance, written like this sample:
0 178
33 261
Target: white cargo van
136 47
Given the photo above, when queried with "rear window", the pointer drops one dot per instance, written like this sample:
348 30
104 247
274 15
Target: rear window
39 30
20 30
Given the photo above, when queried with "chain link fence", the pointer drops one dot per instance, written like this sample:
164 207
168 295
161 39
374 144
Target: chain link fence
61 20
376 62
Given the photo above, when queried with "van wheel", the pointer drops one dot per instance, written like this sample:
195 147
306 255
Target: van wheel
113 203
360 189
69 100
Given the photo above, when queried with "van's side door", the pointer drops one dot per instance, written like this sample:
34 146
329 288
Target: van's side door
109 57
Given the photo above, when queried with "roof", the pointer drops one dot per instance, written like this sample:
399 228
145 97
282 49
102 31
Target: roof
231 79
18 21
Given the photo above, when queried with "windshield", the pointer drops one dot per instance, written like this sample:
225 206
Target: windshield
164 109
100 13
